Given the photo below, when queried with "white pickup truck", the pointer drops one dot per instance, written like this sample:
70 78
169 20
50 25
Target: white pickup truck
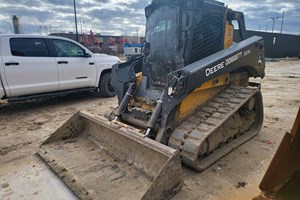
36 66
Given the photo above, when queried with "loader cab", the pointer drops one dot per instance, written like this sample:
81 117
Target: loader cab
180 33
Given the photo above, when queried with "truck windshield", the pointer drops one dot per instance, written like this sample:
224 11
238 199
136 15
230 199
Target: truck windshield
161 34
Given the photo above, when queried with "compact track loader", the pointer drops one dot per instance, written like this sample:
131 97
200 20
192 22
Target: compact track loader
188 99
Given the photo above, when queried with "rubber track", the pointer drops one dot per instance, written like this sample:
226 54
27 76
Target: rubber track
191 135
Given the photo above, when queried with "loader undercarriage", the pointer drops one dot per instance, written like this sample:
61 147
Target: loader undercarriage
228 120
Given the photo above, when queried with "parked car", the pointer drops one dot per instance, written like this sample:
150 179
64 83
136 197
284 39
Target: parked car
33 66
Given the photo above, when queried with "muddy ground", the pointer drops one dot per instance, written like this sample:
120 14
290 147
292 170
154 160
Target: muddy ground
25 125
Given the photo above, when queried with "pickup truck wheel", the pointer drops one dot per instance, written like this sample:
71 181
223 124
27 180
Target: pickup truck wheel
105 88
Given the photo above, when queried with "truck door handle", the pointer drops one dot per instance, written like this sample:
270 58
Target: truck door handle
91 63
11 63
62 62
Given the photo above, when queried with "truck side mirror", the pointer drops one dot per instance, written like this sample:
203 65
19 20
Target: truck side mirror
86 55
147 49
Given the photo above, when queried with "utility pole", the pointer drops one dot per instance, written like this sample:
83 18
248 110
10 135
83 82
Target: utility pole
75 21
16 24
267 28
282 21
274 19
137 35
81 23
259 28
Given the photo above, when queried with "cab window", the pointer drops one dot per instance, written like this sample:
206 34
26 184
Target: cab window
67 49
29 47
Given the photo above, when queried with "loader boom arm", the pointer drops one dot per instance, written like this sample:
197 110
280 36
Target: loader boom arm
247 55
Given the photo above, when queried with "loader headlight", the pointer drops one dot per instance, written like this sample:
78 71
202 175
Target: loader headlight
259 62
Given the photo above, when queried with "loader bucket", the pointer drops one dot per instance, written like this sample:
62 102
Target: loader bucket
99 159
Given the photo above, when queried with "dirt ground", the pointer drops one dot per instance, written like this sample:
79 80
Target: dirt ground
25 125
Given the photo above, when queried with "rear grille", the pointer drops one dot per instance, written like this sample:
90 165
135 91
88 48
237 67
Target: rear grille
208 36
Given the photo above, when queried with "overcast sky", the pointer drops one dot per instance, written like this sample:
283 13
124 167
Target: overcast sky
123 17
